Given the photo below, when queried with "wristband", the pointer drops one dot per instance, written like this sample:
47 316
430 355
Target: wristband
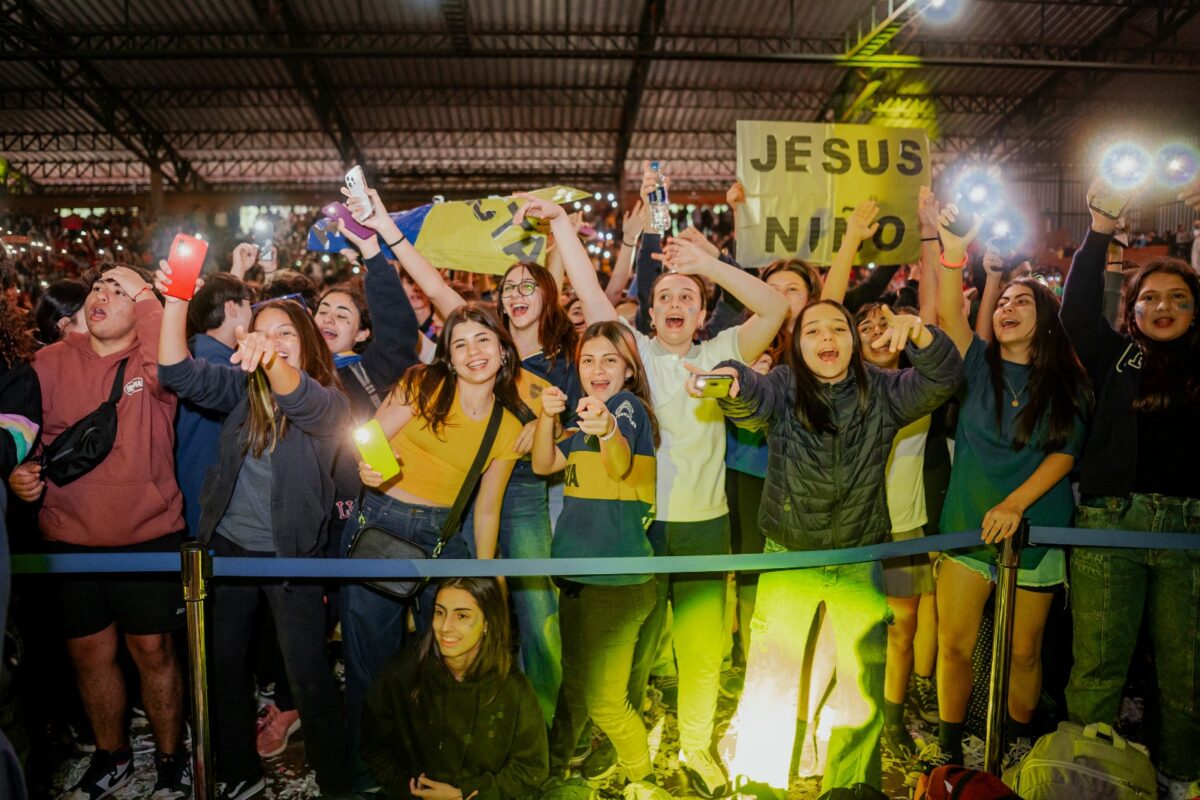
629 244
610 434
398 242
1115 263
931 238
959 265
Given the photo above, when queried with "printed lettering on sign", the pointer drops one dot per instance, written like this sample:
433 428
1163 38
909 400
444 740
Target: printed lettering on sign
803 180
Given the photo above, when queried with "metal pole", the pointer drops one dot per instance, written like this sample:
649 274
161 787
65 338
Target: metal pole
197 567
1006 603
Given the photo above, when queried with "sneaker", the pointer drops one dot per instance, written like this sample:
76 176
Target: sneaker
1017 749
899 741
923 695
600 763
275 728
106 774
707 776
243 789
174 777
645 790
81 735
933 756
731 683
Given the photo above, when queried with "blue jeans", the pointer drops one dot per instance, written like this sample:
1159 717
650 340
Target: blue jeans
1111 589
374 625
525 533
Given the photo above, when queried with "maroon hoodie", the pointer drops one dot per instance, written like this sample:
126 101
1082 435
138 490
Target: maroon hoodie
131 496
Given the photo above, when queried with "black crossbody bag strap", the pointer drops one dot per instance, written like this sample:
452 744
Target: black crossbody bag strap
472 479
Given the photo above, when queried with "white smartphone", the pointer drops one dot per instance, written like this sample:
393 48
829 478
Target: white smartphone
357 185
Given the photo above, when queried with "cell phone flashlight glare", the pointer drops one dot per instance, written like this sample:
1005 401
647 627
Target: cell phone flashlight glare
714 385
186 259
376 450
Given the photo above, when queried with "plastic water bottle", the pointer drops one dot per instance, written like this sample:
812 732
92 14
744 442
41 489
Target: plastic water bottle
660 207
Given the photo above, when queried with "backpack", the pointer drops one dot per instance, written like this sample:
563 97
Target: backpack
83 446
952 782
1092 762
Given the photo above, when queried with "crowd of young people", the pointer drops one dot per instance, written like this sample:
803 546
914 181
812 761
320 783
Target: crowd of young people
578 416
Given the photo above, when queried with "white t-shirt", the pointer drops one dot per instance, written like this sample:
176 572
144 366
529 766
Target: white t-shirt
906 477
691 459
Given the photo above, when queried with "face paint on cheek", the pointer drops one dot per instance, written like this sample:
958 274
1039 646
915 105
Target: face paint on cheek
1184 306
1139 310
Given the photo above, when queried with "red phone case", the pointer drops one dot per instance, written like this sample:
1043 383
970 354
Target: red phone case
186 260
339 211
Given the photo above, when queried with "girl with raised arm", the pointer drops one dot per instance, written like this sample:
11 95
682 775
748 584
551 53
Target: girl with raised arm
1138 474
269 495
1020 426
830 421
692 516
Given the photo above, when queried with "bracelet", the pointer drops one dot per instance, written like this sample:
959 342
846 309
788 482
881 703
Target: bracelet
629 244
959 265
398 242
1114 263
610 434
931 238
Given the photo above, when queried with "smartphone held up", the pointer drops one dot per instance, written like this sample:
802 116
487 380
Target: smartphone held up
376 450
357 184
186 259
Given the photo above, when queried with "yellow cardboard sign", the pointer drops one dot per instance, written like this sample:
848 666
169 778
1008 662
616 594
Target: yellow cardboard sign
803 180
479 235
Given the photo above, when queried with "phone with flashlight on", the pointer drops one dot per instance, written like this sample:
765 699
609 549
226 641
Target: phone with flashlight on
263 234
711 385
376 450
186 259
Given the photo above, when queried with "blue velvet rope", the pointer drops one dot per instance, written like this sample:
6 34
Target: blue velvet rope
348 569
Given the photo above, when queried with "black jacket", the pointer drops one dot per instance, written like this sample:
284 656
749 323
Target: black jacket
1113 361
481 735
826 491
301 466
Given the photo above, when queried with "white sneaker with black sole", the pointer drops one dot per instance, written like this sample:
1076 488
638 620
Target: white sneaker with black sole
105 775
242 790
707 776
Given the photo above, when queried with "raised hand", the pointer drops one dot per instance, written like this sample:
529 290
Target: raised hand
684 256
162 279
955 246
700 240
594 416
695 390
862 225
379 217
993 264
244 256
927 211
901 328
254 348
736 194
537 208
633 223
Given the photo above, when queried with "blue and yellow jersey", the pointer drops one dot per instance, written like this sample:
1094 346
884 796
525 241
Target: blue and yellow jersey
604 517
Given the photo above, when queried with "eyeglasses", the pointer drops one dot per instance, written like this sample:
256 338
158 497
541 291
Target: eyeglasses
525 288
296 296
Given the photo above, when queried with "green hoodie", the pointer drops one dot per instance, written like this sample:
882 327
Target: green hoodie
482 735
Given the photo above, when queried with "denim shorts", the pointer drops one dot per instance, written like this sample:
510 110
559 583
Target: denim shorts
1051 572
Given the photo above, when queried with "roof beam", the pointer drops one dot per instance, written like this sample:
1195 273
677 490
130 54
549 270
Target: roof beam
653 12
284 26
26 26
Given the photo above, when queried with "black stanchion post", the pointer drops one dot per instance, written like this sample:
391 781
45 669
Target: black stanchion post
197 568
1007 564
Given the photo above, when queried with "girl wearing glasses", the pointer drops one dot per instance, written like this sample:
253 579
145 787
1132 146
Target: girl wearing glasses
532 317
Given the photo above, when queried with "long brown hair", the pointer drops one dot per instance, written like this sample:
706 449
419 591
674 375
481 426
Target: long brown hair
812 409
429 389
620 337
556 334
265 425
495 649
1166 378
1059 389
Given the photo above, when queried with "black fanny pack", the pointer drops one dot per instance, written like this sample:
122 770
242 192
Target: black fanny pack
80 448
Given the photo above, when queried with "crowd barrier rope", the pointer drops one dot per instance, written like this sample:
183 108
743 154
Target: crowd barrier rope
196 567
